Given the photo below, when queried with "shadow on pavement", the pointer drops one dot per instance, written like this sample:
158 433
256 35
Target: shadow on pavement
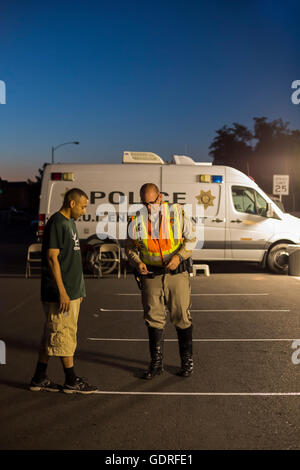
15 384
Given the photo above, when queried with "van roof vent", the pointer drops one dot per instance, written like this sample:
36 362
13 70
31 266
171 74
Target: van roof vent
185 160
141 157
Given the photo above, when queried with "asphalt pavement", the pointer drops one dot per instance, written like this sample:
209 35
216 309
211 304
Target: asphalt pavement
244 393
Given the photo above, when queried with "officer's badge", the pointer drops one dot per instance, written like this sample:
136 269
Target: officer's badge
206 198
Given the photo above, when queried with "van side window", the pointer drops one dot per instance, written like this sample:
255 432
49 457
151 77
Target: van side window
249 201
244 199
261 204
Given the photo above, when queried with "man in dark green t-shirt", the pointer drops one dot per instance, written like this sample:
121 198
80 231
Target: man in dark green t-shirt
62 290
61 233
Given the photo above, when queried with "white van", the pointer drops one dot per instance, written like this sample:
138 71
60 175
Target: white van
240 222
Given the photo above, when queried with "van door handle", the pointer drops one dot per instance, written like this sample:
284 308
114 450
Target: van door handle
238 221
218 220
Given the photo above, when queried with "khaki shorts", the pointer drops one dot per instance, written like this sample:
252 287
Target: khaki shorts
60 332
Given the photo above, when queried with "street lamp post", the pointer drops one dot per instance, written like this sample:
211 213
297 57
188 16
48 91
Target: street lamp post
60 145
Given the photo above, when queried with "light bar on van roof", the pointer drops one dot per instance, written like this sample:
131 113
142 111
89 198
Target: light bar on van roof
211 178
217 179
204 178
62 177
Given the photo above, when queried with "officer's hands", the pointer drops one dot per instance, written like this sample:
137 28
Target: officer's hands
142 268
173 263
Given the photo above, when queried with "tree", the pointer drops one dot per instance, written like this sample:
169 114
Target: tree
271 148
38 177
273 151
231 147
35 189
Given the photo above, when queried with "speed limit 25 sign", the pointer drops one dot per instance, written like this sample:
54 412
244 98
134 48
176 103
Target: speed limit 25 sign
281 185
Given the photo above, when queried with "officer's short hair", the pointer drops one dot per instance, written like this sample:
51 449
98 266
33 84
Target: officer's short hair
73 194
148 186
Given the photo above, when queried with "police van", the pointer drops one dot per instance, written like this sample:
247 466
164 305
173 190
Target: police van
235 219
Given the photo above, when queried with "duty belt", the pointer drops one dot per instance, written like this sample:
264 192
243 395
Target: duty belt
185 265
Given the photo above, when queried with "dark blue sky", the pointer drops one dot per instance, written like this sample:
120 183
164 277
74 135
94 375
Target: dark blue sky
158 76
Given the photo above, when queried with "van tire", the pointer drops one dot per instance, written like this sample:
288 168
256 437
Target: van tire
277 259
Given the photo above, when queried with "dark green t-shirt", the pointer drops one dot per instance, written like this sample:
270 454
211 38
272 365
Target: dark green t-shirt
61 233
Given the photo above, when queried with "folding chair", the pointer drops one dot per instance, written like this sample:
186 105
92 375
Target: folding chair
113 249
36 250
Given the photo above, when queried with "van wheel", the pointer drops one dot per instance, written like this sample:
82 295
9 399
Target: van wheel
278 259
93 261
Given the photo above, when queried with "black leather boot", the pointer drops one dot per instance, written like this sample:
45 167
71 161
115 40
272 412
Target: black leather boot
185 342
156 352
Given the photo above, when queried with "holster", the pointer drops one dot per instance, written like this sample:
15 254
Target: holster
137 277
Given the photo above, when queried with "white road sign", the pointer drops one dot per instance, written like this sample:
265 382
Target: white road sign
281 185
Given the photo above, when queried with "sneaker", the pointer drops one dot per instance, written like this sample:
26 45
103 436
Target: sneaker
80 386
44 384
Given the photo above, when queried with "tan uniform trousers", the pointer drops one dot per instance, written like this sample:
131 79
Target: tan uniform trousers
60 332
172 290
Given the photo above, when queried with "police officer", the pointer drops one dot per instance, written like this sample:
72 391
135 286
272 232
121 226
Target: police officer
159 245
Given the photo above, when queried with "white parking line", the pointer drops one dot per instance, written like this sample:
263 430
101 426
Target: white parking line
202 340
203 394
197 310
196 295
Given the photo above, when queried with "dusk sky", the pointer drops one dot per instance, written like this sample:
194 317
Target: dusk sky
159 76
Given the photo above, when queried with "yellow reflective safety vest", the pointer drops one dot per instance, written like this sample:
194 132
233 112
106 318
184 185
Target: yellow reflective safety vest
154 249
